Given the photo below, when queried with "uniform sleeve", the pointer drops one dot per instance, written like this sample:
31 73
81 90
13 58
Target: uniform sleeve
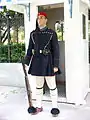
55 50
29 51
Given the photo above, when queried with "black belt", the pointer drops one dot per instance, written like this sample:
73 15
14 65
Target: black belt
44 52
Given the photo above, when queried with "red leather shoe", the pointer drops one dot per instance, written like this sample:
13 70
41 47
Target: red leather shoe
37 110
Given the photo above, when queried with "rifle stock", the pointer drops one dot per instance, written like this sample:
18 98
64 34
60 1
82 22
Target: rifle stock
28 88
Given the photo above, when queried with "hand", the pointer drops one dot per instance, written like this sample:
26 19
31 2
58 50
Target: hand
26 67
55 69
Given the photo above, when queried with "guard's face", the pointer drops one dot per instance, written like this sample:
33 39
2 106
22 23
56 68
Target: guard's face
42 20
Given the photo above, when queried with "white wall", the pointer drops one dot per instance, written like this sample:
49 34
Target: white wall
11 74
86 82
86 1
17 8
76 55
30 25
46 2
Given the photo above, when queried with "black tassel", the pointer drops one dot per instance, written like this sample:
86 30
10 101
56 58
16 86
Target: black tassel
31 109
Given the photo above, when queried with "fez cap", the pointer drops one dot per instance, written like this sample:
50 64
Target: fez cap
42 13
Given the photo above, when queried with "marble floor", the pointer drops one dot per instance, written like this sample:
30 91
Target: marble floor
13 106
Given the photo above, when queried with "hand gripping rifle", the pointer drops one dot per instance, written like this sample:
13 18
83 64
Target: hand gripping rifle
31 109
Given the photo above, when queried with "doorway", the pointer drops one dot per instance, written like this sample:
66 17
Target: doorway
55 14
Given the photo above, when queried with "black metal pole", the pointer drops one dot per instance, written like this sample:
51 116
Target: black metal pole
8 29
0 28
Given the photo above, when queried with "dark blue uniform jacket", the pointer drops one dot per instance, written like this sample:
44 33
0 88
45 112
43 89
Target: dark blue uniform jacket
42 64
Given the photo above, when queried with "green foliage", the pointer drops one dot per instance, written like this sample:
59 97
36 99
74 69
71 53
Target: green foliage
17 52
10 20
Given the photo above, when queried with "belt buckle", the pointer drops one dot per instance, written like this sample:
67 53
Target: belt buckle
40 51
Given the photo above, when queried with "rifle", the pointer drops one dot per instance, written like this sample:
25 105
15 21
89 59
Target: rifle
31 109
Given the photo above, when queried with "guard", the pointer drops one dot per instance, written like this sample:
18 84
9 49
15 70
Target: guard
43 57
